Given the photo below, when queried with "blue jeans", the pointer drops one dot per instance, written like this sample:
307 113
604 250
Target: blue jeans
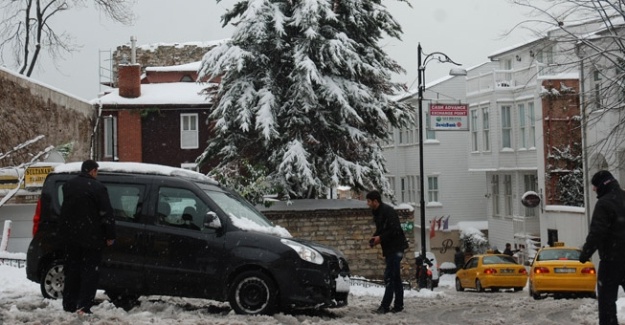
392 281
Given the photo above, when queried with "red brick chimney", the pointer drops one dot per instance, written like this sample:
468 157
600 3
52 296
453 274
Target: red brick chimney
129 80
130 74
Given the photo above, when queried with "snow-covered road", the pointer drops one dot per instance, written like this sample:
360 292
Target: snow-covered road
21 303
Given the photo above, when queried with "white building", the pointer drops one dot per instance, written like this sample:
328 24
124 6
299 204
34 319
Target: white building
449 190
524 110
602 102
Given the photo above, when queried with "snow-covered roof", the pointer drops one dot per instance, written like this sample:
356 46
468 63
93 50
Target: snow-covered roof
154 46
514 47
415 91
175 93
193 66
137 168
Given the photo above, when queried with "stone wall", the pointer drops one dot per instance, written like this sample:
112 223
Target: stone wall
161 55
29 109
347 228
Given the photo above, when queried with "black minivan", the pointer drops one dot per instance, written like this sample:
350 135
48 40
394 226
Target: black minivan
179 233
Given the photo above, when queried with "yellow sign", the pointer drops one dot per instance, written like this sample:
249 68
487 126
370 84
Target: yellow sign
35 176
8 182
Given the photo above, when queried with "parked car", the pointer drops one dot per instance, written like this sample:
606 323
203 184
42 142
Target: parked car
557 271
491 271
180 233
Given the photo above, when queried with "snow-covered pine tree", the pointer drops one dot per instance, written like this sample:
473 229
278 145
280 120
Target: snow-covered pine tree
304 96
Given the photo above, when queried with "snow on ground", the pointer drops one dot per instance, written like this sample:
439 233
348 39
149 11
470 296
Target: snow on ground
21 303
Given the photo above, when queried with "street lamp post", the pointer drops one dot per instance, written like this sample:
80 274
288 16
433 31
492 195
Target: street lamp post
442 58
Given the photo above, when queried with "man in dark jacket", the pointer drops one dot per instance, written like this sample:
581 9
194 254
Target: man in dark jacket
87 225
508 251
607 235
390 236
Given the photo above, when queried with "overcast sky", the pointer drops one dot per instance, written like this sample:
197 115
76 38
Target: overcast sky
466 30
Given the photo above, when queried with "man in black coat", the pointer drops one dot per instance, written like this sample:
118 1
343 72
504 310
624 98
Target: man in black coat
87 225
390 236
607 235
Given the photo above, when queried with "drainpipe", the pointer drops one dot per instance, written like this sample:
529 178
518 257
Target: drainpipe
582 99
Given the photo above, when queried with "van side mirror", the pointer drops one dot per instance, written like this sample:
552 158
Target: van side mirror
211 220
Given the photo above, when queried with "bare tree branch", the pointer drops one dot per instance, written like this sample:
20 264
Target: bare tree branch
601 49
26 29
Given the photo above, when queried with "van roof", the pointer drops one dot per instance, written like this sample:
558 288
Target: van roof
137 168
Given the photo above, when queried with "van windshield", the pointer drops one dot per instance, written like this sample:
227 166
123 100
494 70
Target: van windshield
238 208
242 214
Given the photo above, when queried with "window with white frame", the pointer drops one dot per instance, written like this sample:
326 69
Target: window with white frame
408 188
474 135
596 80
413 188
391 135
407 135
417 189
432 188
507 185
485 129
545 58
494 183
530 185
532 125
522 126
189 136
391 183
403 184
110 136
506 127
429 133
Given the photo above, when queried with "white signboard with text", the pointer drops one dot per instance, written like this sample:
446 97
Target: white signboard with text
449 117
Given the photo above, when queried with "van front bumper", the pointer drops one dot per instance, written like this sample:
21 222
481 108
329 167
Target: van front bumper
314 287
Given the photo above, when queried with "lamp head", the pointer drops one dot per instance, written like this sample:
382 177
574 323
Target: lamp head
457 72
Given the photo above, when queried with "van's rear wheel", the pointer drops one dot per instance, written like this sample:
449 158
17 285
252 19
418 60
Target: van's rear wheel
52 280
253 293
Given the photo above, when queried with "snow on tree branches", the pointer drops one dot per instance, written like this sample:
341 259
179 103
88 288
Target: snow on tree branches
304 95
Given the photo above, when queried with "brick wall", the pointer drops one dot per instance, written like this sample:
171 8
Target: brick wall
129 136
347 229
29 109
561 129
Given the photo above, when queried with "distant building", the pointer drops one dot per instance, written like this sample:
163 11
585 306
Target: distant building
155 115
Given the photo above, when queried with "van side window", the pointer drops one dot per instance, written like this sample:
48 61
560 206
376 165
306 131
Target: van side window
125 200
181 208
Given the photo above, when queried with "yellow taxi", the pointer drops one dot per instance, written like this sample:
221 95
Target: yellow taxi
491 271
557 270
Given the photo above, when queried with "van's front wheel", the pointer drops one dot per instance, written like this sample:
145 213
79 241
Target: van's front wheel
253 293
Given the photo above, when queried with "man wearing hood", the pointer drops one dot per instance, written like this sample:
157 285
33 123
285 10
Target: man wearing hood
607 235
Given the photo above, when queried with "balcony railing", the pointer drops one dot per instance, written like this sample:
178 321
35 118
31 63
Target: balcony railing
510 79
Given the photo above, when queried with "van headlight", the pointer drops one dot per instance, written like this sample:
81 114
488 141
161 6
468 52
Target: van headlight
306 253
